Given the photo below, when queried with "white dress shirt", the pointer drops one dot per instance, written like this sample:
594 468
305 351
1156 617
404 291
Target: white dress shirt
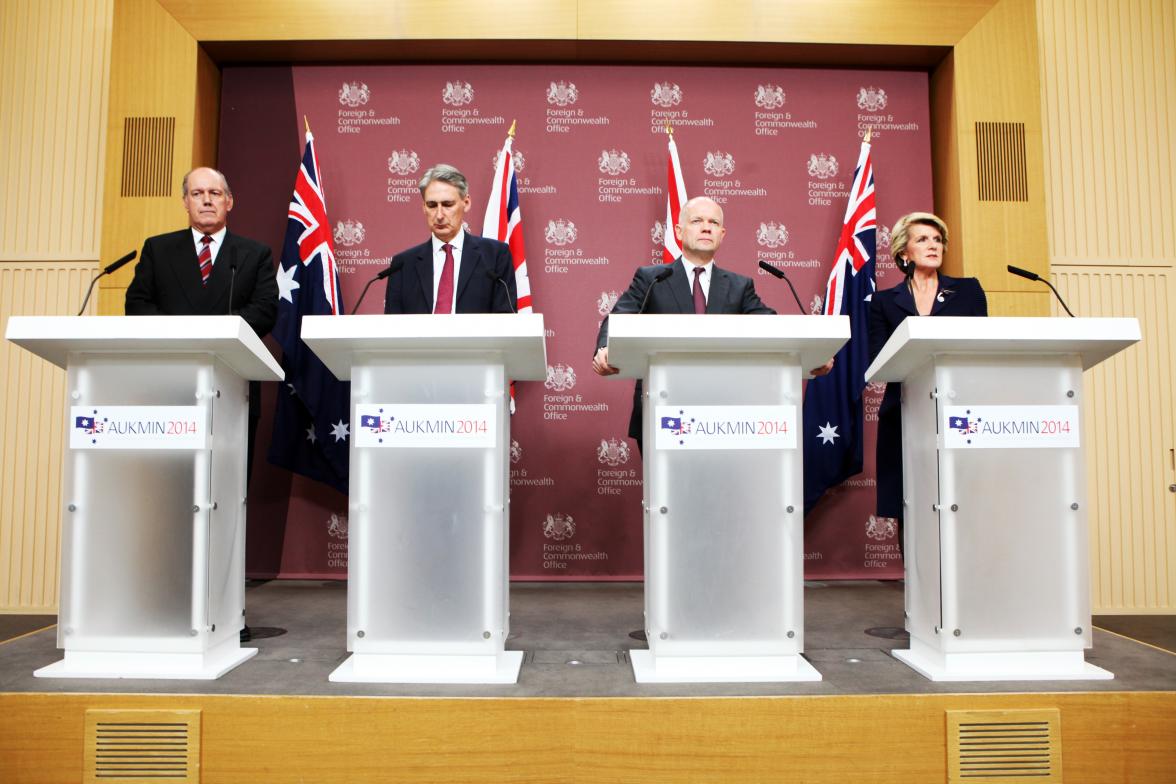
439 261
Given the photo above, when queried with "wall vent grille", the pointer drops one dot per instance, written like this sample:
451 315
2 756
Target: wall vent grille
1000 161
148 143
1004 747
142 746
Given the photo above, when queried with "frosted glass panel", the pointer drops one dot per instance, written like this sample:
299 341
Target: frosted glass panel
724 559
429 550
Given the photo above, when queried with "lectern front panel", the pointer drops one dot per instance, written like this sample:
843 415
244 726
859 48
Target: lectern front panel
723 549
429 555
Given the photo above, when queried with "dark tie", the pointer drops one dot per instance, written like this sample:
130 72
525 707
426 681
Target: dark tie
699 300
444 302
205 258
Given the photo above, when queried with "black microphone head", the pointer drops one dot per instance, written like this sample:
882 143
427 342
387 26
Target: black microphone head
121 262
659 277
391 269
768 268
1024 273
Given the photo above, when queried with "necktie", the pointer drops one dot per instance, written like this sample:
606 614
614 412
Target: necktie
699 300
444 302
205 258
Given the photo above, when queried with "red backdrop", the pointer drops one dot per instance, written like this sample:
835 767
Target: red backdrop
776 147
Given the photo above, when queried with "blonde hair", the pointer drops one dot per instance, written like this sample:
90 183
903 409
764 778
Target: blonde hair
901 233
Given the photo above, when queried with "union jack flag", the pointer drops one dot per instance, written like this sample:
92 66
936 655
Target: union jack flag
833 421
675 198
311 425
504 221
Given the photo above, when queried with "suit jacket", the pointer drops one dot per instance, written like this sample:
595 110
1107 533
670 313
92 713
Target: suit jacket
167 281
729 293
411 289
888 309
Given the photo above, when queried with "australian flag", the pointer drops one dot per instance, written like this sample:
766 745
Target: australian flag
311 426
833 421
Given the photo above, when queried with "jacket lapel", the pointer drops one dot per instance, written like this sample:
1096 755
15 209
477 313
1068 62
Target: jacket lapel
424 269
720 290
904 300
680 286
943 297
470 256
187 269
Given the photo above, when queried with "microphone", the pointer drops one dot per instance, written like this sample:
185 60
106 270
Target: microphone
768 268
122 262
496 277
1033 276
391 269
232 282
656 280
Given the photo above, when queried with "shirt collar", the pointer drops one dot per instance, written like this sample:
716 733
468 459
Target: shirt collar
689 267
456 242
217 237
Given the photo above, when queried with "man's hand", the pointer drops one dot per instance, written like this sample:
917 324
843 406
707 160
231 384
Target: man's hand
822 370
600 364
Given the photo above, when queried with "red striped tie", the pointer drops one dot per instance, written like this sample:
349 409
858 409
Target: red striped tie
205 258
444 302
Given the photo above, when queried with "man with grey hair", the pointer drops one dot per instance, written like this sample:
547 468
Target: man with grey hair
453 271
192 272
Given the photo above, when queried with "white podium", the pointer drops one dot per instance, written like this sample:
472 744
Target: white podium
428 569
724 490
153 491
994 492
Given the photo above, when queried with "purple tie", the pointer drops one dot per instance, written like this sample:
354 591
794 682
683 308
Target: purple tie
699 300
205 258
444 302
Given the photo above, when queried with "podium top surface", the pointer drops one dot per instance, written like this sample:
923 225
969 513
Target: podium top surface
632 338
517 338
54 338
918 339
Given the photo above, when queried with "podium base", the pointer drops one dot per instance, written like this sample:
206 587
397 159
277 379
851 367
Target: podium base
1002 666
648 668
440 668
207 666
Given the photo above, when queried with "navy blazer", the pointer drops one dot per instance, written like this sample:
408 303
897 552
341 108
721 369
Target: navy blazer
888 309
729 293
167 281
411 289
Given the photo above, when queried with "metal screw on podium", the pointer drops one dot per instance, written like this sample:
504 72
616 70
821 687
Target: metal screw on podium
359 633
1077 630
664 636
218 393
664 510
663 394
1069 393
192 632
214 506
195 508
1074 506
72 508
213 628
1172 488
791 634
790 509
956 632
955 507
485 635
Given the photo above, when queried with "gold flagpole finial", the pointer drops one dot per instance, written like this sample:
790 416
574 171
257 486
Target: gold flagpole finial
869 132
306 122
511 132
670 131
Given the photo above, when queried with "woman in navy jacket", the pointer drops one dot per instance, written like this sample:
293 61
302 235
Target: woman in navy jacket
918 241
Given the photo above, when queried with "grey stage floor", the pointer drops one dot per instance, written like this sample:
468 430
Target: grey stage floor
576 638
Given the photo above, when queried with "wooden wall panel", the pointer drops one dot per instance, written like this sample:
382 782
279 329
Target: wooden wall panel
868 739
32 393
1109 110
54 60
1130 439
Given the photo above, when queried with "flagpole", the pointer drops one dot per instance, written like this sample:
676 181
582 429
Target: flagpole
511 132
670 131
869 131
306 122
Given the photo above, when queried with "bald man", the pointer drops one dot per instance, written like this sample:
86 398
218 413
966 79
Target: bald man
695 285
190 272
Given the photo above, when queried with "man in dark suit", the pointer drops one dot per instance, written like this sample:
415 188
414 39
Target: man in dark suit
695 285
191 272
453 271
204 270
